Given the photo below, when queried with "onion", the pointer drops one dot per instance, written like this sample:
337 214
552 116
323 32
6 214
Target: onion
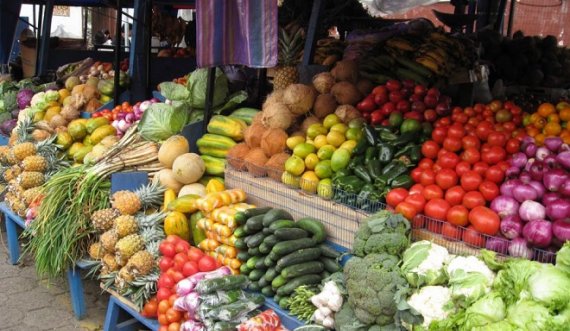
548 197
508 186
499 245
525 177
512 172
130 117
561 230
553 179
538 187
529 164
537 170
564 159
565 188
527 140
511 229
530 150
538 233
524 192
505 206
532 210
154 100
120 116
144 105
541 153
123 125
550 162
519 160
553 143
564 148
557 209
519 248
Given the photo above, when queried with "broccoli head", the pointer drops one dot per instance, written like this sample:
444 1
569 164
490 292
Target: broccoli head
383 232
345 320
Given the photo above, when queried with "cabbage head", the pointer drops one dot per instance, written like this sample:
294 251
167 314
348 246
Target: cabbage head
161 121
486 311
197 85
423 264
550 286
469 279
528 315
563 258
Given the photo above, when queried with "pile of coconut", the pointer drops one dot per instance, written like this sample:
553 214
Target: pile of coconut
291 111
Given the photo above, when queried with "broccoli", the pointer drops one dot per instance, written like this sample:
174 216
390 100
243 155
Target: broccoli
345 320
383 232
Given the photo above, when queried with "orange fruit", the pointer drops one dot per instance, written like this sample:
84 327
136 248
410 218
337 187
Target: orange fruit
162 319
163 306
552 129
546 109
566 138
539 124
173 315
539 138
174 326
532 131
553 118
565 114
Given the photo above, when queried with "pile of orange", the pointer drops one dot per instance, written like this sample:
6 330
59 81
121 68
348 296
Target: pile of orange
549 121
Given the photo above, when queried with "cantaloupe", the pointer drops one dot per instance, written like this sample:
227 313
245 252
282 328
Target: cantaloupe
195 188
172 148
188 168
166 178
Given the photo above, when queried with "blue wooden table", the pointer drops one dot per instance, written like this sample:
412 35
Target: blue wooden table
121 316
3 140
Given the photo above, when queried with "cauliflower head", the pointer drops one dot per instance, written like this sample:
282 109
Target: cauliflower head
432 302
423 263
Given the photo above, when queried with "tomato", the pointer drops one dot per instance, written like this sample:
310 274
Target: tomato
418 222
180 259
416 200
436 208
434 226
485 148
95 115
194 254
458 215
165 281
172 299
462 167
430 149
436 167
484 220
473 238
454 195
446 178
173 239
489 190
416 189
483 130
462 118
504 165
448 160
163 293
163 305
395 196
473 199
480 168
150 308
471 180
452 144
471 155
407 210
513 146
425 163
173 315
495 155
427 177
431 192
416 174
470 141
189 268
438 134
494 174
163 321
497 139
174 326
451 232
182 246
207 263
165 263
177 275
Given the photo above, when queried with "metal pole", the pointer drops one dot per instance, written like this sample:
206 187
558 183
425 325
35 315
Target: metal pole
209 98
311 32
511 18
42 63
117 87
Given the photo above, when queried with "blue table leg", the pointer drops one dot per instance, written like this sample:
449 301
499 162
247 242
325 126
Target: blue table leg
112 316
13 244
76 292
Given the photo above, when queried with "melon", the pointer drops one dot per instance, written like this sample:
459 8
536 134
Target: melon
188 168
172 148
195 188
166 178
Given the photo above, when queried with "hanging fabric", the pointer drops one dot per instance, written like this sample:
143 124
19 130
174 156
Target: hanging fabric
236 32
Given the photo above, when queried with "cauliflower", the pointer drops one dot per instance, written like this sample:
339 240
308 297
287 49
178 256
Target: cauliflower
383 232
423 263
469 279
432 303
470 264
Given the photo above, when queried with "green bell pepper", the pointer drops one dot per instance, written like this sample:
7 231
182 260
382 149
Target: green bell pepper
404 181
406 138
370 135
354 162
398 169
350 184
374 168
340 174
370 154
385 153
360 147
390 166
386 135
368 194
416 154
361 172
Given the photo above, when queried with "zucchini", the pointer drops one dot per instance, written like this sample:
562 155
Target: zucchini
290 233
252 261
329 251
296 270
262 282
289 246
253 286
255 223
302 255
259 264
278 281
314 227
256 274
276 298
264 249
239 232
244 269
253 251
270 240
275 215
331 265
268 291
270 274
292 284
243 256
254 212
284 302
280 224
268 261
256 240
240 243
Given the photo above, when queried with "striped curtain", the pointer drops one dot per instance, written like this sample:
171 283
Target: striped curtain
236 32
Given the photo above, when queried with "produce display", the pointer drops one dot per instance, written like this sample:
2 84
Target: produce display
548 120
123 116
13 98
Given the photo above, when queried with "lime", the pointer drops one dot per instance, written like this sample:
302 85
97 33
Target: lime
309 182
395 119
357 123
326 152
323 169
339 159
303 149
295 165
320 141
410 125
315 130
335 138
340 127
311 161
353 134
331 120
324 189
294 141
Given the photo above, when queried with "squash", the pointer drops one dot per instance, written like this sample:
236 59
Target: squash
93 123
172 148
214 186
227 126
196 189
176 223
166 178
188 168
184 204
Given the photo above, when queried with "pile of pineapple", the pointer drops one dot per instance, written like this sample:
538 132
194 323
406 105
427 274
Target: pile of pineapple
130 233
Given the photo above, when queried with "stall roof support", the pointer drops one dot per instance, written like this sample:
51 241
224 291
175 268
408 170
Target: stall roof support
118 47
9 14
43 55
209 97
139 50
312 32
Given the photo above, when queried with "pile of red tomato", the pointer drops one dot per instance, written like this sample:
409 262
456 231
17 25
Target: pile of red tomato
113 114
463 166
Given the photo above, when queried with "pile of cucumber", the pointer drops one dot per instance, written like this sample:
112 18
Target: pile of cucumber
279 254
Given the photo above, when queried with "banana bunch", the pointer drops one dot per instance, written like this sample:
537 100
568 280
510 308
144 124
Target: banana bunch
434 58
401 44
328 51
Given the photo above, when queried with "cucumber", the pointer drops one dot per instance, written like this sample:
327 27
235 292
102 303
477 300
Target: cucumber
329 251
259 264
325 274
284 302
240 243
276 298
268 291
225 283
240 217
270 240
267 231
253 286
252 261
262 282
239 232
248 230
244 269
255 240
292 284
255 211
290 233
270 274
243 256
268 261
285 247
300 256
280 224
331 265
275 215
264 248
255 223
296 270
278 281
314 227
253 251
256 274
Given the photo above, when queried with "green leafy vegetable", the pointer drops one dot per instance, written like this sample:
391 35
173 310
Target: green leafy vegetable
423 264
197 85
469 279
512 280
527 315
161 121
563 258
383 232
487 310
173 91
550 286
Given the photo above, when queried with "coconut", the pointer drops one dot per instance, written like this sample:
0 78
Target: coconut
276 165
346 93
365 86
276 96
299 98
257 118
57 121
330 60
274 141
323 82
40 135
253 134
345 70
324 104
236 156
308 122
347 113
255 162
277 116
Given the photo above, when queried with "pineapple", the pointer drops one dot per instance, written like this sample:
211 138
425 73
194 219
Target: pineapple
150 220
103 219
290 46
124 277
125 225
4 150
11 158
34 163
31 194
109 264
141 263
143 288
23 150
128 203
96 251
29 179
8 175
129 245
109 240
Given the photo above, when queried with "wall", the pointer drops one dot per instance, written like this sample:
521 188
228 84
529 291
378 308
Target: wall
72 24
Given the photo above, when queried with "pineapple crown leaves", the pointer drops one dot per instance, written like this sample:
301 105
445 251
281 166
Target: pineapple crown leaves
24 128
143 288
108 280
152 220
153 248
290 46
151 195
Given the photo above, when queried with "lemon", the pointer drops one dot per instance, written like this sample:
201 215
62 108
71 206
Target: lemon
340 127
339 160
331 120
303 149
288 179
320 141
323 169
348 145
311 161
353 134
335 138
309 182
315 130
326 152
295 165
324 189
294 141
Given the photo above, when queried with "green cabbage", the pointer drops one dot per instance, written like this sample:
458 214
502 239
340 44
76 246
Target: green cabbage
488 310
173 91
550 286
512 280
161 121
502 326
563 258
527 315
198 83
467 287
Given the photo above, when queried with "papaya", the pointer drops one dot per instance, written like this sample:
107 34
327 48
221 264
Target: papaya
93 123
215 141
102 132
176 223
198 235
184 204
80 154
74 148
227 126
77 130
245 114
215 166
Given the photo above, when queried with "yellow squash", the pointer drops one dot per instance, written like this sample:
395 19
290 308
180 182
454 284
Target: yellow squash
214 186
169 196
176 223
